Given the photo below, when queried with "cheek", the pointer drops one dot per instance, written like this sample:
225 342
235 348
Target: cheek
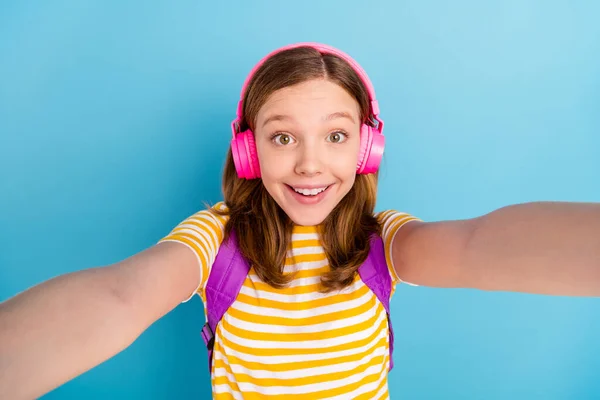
274 165
344 162
274 168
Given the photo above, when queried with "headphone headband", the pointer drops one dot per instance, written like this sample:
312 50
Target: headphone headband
323 49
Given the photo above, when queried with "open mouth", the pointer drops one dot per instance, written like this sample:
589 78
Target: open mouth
309 195
310 192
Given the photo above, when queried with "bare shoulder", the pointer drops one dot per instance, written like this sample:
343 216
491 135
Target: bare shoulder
432 253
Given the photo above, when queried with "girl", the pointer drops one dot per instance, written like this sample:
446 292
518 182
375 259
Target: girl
315 266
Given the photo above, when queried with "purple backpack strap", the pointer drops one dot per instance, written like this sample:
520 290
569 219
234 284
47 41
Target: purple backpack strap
230 270
226 278
374 273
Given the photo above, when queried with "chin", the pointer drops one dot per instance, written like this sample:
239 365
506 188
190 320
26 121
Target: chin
308 218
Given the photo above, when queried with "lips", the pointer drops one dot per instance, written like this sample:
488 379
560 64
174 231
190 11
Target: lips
310 191
309 195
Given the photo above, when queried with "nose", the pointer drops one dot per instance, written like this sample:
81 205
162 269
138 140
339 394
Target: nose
309 162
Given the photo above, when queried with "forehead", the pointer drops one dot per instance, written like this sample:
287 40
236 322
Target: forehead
320 95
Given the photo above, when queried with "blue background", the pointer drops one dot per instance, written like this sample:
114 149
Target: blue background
114 123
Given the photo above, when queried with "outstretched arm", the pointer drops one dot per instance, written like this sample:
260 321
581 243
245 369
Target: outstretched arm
61 328
550 248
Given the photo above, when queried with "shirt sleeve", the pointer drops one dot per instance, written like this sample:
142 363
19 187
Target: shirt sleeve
391 222
203 233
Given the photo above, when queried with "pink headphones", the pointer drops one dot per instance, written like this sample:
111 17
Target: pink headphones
372 140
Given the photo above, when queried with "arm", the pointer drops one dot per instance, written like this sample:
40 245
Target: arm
548 248
61 328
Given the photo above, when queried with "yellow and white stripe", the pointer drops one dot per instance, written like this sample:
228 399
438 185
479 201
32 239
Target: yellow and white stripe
296 343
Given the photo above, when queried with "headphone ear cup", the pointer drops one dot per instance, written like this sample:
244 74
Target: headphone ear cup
365 134
372 144
245 157
252 155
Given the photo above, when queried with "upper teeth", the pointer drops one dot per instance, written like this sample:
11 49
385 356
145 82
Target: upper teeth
310 192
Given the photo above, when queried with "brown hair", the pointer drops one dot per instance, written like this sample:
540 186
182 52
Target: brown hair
262 228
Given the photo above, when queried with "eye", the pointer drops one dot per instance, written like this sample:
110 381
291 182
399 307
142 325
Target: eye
337 137
282 139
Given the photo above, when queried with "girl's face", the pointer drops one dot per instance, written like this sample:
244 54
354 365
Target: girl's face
307 139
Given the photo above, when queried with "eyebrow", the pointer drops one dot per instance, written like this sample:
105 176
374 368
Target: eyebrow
330 117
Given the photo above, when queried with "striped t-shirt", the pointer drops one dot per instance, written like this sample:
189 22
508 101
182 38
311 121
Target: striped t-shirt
296 343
